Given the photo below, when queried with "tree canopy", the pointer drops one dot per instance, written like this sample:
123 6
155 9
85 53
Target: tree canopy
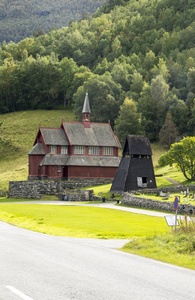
20 19
183 155
128 120
141 50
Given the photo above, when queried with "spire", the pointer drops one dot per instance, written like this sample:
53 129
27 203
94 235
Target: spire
86 106
86 111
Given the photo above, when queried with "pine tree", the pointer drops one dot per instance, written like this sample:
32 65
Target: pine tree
168 132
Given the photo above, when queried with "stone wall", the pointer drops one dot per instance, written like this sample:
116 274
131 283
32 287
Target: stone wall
131 200
34 189
167 189
77 195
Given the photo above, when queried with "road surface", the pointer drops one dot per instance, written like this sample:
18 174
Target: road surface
36 266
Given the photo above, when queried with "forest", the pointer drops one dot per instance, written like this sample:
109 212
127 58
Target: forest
22 18
135 58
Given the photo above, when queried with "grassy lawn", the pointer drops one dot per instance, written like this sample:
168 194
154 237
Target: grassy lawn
79 221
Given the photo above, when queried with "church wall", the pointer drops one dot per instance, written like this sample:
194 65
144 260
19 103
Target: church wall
34 161
91 172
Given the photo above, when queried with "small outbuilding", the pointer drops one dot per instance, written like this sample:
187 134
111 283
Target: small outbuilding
135 170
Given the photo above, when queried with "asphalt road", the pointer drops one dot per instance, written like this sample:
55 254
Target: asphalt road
35 266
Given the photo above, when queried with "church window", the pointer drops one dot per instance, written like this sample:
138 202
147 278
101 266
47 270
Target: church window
79 150
52 149
107 150
94 150
64 150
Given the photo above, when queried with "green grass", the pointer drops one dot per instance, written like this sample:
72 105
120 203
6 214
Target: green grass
103 191
44 198
157 151
19 132
162 182
183 199
79 221
174 248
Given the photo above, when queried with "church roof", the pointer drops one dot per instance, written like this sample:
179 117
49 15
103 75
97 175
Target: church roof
96 135
80 160
86 106
54 136
54 160
37 149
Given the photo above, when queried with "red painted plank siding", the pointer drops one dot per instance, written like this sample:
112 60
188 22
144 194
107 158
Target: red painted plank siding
34 161
91 172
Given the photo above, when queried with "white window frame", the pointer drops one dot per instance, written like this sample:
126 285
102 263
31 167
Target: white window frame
107 150
93 150
79 149
59 169
52 149
64 150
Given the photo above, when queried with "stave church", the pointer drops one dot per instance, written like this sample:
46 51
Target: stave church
75 150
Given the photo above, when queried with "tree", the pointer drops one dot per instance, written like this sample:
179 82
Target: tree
128 120
104 97
147 108
137 83
159 92
168 132
1 140
183 155
67 70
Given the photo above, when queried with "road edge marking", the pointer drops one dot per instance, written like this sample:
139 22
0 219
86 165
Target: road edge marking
18 293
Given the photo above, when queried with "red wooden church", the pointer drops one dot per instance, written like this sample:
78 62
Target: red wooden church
75 150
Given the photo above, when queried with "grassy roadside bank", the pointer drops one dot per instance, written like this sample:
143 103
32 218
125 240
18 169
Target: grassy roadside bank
174 248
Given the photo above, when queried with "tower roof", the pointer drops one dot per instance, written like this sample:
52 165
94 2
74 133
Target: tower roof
86 106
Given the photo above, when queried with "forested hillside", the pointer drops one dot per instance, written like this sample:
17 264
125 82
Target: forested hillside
21 18
137 61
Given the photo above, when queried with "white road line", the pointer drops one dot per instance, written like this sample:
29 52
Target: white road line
18 293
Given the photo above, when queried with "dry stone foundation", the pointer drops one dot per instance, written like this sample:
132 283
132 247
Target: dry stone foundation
34 189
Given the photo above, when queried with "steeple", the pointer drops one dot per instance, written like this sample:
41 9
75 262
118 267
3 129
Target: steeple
86 111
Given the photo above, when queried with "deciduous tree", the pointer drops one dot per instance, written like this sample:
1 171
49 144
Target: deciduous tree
128 121
183 155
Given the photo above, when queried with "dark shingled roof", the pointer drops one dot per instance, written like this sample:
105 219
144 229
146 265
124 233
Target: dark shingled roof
96 135
76 160
37 149
54 160
101 161
54 137
138 144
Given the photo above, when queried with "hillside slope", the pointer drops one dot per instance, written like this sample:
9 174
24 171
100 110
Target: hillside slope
19 19
140 54
19 131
